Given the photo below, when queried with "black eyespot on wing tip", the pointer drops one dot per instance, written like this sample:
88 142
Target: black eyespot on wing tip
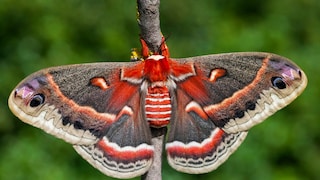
278 82
300 73
15 93
37 100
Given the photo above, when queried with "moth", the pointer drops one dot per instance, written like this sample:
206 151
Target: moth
105 110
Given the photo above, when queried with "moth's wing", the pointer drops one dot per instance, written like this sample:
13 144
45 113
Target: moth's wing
218 98
92 107
195 144
62 101
125 151
243 89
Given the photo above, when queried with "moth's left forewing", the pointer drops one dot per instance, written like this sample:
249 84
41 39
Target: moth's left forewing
65 101
246 88
57 101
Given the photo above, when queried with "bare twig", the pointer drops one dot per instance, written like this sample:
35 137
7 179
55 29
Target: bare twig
158 136
149 23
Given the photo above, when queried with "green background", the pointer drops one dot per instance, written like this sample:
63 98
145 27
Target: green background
38 34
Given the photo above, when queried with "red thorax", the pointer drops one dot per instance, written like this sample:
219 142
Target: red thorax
156 68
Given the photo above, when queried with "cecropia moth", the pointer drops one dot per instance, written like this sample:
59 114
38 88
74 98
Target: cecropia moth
105 110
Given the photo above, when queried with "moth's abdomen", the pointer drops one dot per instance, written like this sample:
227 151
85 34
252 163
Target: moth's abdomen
158 106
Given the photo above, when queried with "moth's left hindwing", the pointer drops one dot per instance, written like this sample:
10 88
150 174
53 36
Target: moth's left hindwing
88 106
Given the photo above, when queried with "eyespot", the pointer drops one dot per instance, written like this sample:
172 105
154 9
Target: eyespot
278 82
37 100
300 73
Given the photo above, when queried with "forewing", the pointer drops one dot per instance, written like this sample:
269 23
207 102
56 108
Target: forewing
243 89
62 102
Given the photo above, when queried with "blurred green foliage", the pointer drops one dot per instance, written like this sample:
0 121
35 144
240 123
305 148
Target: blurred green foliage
38 34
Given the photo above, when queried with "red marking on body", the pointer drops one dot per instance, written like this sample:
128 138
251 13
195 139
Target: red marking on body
234 99
99 82
132 154
85 110
216 74
158 106
158 116
198 150
158 124
158 109
156 70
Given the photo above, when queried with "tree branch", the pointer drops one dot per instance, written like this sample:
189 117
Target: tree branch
149 23
158 137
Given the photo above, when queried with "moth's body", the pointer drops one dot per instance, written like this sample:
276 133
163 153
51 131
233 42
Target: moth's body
105 109
157 103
